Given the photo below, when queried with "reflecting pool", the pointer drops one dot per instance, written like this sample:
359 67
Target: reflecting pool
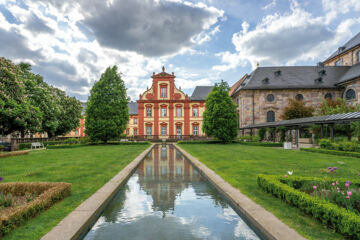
167 198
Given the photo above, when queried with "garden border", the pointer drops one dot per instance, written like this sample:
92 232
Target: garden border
80 220
264 221
14 153
332 152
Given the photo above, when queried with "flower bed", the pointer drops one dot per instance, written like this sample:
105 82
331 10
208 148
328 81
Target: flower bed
297 192
332 152
20 201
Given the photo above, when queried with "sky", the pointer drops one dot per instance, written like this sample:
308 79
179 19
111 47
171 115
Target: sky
71 43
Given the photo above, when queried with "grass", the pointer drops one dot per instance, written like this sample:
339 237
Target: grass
87 168
239 165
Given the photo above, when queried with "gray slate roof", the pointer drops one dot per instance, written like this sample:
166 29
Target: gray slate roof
343 117
348 45
133 108
353 72
294 77
201 92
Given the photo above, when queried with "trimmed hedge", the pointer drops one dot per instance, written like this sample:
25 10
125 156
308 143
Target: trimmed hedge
48 194
342 220
332 152
261 144
15 153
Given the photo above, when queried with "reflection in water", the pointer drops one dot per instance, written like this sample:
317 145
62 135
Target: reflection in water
166 198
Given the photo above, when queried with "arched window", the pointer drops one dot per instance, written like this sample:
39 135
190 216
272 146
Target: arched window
270 116
270 97
299 97
328 96
350 94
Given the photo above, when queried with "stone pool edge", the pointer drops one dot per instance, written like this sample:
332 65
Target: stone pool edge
77 221
264 221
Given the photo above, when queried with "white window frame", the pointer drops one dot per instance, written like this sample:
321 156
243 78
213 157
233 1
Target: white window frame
127 131
163 92
148 111
135 120
163 130
163 112
148 133
195 112
135 132
195 130
178 111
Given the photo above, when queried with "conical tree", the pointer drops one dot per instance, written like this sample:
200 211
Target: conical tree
107 110
220 117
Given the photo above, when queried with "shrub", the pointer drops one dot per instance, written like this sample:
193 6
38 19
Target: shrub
342 220
260 144
48 194
71 141
325 143
262 133
2 148
332 152
84 140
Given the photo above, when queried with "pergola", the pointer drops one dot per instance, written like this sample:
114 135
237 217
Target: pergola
330 120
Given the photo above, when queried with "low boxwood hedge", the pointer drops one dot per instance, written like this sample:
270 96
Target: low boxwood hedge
261 144
332 152
342 220
48 194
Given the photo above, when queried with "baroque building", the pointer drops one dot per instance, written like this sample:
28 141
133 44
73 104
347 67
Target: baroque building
164 111
262 95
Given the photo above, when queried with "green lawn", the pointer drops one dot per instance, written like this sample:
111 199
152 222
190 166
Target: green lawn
87 168
239 165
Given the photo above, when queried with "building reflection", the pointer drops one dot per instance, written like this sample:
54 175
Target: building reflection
164 174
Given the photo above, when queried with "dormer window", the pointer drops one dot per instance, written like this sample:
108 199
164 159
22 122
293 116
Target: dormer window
318 80
339 62
277 73
265 81
341 49
322 72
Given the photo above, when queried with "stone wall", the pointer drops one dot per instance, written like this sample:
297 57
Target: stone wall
349 58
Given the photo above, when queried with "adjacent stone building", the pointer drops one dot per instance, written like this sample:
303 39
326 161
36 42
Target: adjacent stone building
262 95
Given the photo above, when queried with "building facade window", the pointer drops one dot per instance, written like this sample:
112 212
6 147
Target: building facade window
163 112
358 56
148 112
135 132
163 92
178 130
350 94
270 116
195 112
270 97
148 130
127 131
195 130
328 96
339 62
163 130
135 120
178 111
299 97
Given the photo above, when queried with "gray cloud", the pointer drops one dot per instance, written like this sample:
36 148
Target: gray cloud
14 45
36 25
86 55
149 28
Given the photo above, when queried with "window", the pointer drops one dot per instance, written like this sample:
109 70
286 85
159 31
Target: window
195 112
163 92
270 97
350 94
178 112
163 153
127 131
163 112
195 130
358 56
135 132
148 170
328 96
135 120
339 62
178 170
270 116
148 112
163 130
148 130
299 97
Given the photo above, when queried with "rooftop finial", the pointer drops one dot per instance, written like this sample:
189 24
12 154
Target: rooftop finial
257 64
163 69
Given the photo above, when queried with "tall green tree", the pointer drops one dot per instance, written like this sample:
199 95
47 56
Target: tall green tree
17 112
297 109
107 111
220 116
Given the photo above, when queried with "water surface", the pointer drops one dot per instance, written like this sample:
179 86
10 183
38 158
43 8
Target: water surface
167 198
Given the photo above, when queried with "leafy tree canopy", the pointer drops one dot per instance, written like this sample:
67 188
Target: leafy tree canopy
220 117
297 109
336 106
107 109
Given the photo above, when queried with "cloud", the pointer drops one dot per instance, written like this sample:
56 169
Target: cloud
151 28
284 39
333 8
270 5
36 25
